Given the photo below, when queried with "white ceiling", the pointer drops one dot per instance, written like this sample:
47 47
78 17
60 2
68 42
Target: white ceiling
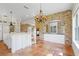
27 14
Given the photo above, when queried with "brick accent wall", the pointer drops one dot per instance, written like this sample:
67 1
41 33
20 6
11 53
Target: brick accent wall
64 15
24 27
67 17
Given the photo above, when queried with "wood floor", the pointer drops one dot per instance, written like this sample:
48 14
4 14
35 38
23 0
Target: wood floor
3 49
41 48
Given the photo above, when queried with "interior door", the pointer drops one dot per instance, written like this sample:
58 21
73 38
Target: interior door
0 31
6 33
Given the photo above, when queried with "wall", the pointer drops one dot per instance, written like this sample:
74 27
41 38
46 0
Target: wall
24 27
47 30
67 17
58 24
39 25
17 27
59 28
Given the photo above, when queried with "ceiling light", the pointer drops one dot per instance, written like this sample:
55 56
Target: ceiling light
40 17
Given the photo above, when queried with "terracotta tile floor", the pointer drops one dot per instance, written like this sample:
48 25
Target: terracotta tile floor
41 48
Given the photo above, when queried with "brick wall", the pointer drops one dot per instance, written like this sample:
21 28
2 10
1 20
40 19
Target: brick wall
64 15
67 17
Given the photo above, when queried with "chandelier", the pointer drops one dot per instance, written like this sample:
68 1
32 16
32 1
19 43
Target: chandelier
40 17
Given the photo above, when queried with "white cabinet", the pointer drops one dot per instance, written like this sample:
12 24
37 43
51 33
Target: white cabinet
16 42
56 38
20 41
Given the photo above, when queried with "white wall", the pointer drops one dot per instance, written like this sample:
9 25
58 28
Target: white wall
17 27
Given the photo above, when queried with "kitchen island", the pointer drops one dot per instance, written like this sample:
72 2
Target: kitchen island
18 41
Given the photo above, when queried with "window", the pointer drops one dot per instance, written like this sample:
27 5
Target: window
77 27
53 29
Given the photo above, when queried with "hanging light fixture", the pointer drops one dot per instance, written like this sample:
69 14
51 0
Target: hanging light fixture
40 17
11 18
11 24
